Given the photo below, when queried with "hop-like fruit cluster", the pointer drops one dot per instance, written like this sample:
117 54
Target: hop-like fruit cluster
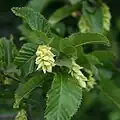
77 74
45 58
85 27
90 83
106 17
21 115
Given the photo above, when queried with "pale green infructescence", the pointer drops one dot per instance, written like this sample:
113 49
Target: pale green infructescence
85 27
21 115
84 82
45 58
77 74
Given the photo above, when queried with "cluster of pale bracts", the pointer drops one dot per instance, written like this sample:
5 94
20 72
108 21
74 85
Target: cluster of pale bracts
45 61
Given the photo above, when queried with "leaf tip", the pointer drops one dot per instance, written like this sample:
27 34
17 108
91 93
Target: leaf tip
13 9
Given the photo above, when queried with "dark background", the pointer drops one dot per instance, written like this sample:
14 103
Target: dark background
9 22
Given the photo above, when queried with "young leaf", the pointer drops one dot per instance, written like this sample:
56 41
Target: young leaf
26 57
25 89
35 20
62 13
79 39
63 99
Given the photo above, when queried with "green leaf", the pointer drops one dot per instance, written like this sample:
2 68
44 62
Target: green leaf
79 39
35 20
26 57
38 5
62 13
55 42
104 56
8 70
110 91
86 60
5 45
75 1
107 58
70 51
25 89
93 59
7 51
64 61
63 99
33 36
105 73
95 19
81 59
59 29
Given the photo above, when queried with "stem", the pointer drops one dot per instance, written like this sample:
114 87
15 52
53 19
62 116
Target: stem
29 112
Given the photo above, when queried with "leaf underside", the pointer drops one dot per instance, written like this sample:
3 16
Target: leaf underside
25 89
35 20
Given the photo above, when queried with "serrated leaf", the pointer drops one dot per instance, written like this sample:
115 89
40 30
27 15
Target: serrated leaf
62 13
79 39
25 89
7 51
34 19
63 99
26 57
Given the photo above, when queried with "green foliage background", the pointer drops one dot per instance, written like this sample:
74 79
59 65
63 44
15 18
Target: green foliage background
102 103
